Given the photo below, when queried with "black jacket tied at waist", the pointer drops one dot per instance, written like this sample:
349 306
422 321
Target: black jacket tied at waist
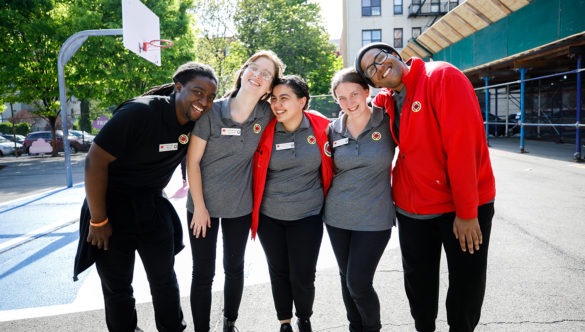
134 213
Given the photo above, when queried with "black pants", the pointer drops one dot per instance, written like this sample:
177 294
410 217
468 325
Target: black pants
235 236
116 268
184 168
420 243
292 250
358 254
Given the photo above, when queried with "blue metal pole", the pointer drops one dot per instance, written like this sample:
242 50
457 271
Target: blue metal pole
487 109
578 112
522 111
68 49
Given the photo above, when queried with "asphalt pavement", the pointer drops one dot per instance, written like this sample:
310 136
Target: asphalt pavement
535 271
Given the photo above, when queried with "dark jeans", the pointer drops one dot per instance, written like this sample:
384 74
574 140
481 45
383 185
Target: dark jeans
358 254
292 249
116 268
235 236
420 243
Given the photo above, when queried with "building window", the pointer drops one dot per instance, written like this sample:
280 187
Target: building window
371 8
416 32
397 7
453 4
435 6
415 6
371 36
398 38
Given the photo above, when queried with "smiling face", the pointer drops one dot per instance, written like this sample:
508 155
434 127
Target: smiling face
258 76
352 98
383 69
287 106
194 98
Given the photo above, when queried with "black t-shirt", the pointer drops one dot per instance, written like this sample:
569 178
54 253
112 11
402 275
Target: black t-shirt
148 142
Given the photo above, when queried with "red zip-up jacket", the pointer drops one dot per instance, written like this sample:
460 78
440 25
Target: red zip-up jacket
443 163
319 124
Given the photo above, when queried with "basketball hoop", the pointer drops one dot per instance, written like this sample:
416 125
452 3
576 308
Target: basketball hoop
160 43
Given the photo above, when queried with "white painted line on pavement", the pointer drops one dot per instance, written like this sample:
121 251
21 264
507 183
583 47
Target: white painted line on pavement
11 244
23 201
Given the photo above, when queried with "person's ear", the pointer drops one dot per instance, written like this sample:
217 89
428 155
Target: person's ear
303 102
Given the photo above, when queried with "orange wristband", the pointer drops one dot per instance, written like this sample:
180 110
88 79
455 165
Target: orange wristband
99 224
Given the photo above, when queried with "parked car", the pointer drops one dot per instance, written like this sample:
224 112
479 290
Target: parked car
74 144
11 137
8 147
84 137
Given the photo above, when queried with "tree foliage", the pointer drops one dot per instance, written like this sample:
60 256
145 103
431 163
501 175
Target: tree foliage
292 29
29 39
104 70
215 42
33 31
21 128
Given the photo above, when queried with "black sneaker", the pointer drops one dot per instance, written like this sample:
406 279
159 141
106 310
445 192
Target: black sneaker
286 327
304 325
229 326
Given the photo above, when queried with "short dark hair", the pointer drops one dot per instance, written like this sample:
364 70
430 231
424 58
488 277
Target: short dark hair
363 50
298 85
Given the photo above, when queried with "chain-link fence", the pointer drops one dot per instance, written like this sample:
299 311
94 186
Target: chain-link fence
326 105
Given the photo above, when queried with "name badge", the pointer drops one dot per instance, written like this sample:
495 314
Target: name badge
231 131
339 142
168 147
285 146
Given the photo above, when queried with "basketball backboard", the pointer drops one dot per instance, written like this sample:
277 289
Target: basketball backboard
141 27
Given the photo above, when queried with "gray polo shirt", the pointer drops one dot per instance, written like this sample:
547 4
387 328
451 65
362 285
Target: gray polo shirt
226 165
293 187
360 197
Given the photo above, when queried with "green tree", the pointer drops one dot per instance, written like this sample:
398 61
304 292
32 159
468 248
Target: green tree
22 128
5 127
30 35
84 121
33 31
292 29
215 42
105 71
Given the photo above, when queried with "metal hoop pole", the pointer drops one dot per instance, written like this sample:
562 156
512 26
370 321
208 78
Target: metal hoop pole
68 49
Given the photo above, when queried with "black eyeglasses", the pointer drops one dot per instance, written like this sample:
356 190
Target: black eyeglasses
378 60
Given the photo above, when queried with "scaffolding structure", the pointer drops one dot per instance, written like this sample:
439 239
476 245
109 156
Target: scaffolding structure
544 107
